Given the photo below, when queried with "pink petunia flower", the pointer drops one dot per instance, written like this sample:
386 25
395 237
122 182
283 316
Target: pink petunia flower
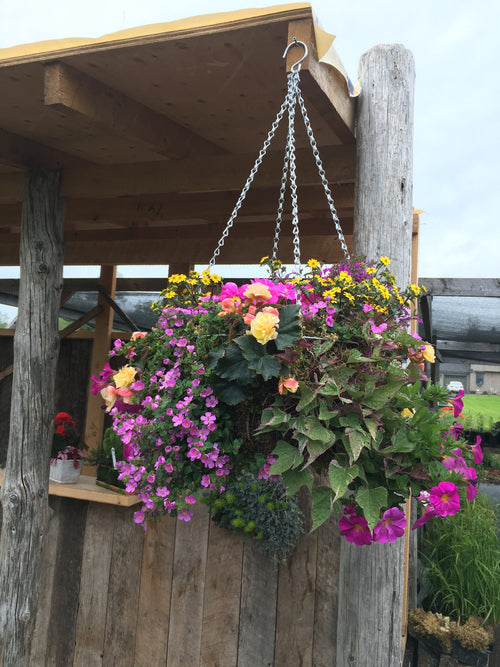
445 499
355 529
391 526
378 329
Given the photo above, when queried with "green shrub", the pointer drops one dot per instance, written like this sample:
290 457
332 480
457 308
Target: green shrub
461 560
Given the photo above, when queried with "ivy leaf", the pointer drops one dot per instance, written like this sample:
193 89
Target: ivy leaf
340 478
354 441
321 505
306 396
381 395
288 457
270 418
372 501
289 330
294 479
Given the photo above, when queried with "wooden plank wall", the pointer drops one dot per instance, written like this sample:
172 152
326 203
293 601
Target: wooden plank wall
181 594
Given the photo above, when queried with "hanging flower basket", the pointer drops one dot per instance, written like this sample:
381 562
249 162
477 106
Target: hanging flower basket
287 376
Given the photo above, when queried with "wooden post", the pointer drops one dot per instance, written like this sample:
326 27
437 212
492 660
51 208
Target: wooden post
24 493
371 578
94 421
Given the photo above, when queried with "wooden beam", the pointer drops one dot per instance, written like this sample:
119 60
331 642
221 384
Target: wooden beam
74 326
207 206
227 172
24 493
94 421
467 346
69 90
102 292
22 153
323 85
462 286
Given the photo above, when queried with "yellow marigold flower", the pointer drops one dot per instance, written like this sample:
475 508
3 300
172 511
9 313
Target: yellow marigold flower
192 281
370 270
385 261
215 278
177 278
349 297
124 377
205 280
169 294
423 288
313 263
263 326
429 354
415 289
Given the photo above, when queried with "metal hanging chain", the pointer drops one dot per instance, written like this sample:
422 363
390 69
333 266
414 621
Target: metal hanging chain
292 97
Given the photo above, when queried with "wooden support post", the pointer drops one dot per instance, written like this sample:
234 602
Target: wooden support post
24 493
94 422
372 578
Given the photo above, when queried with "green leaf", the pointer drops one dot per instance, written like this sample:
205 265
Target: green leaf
355 441
400 443
270 418
338 381
372 501
289 330
288 457
306 396
233 366
314 430
214 356
321 505
340 478
294 479
315 448
325 414
372 426
258 361
229 392
381 395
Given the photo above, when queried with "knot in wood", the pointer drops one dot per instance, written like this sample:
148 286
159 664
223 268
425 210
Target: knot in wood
43 267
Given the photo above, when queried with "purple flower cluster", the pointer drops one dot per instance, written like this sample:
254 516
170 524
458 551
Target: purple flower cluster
172 448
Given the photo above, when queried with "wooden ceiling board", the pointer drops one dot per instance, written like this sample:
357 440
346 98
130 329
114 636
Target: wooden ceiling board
156 135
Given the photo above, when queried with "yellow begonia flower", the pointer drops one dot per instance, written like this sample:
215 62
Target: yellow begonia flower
257 292
263 327
407 412
124 377
429 354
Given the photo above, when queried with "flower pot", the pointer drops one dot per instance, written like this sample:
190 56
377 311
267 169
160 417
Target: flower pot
65 472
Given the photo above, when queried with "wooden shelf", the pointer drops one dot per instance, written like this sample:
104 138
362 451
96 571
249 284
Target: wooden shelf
87 489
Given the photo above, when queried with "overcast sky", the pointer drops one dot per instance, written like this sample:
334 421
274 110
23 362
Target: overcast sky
455 46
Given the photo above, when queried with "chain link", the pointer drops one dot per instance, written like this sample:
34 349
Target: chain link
289 103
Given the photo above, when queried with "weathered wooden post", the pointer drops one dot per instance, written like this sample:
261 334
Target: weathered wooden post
371 578
24 494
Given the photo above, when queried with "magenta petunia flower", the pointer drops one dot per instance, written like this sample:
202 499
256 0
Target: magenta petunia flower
427 513
378 329
391 526
458 404
445 499
476 450
355 529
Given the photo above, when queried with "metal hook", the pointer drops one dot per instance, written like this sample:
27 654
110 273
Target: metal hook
296 66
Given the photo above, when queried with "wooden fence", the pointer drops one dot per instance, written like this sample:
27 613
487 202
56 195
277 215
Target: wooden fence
181 594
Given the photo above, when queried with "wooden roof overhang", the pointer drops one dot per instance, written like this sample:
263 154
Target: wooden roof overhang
156 132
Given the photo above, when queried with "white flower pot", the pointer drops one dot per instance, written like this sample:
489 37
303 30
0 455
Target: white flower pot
65 472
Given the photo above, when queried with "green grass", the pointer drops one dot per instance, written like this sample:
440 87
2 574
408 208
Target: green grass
481 411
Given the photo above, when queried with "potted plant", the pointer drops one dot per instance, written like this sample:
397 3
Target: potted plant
459 584
314 372
66 454
105 459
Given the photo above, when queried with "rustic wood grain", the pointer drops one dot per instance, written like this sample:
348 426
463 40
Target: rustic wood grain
153 615
123 592
94 586
24 494
49 559
371 578
66 582
186 610
221 604
259 593
296 598
326 608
